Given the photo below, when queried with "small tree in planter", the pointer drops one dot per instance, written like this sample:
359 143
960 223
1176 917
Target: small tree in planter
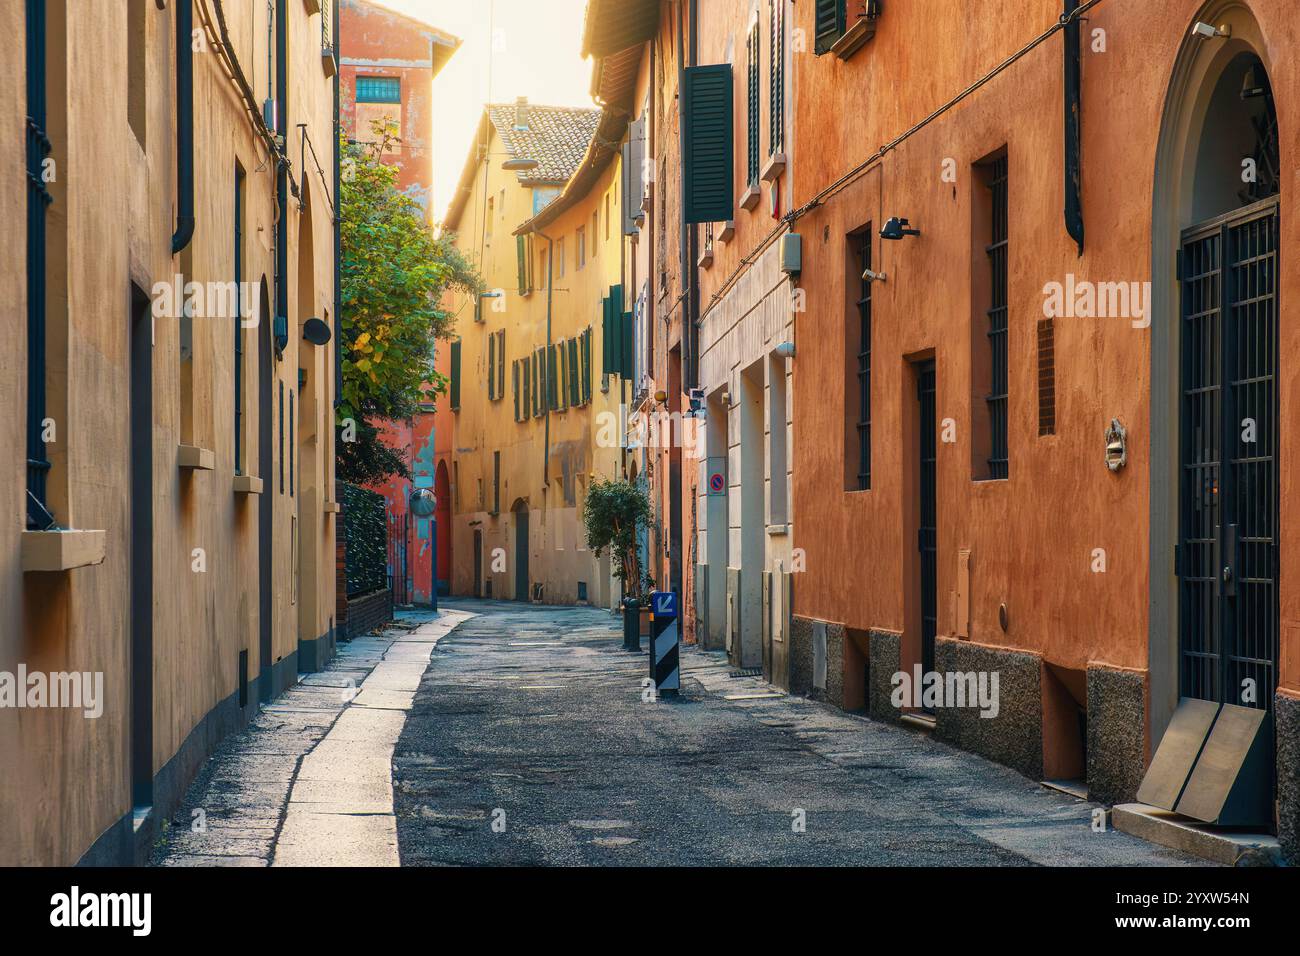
614 514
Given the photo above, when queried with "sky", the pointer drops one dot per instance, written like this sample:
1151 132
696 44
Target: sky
535 54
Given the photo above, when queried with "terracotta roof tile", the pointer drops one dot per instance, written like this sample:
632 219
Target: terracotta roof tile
557 137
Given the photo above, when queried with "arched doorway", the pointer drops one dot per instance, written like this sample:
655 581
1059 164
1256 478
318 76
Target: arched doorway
442 515
1214 624
520 511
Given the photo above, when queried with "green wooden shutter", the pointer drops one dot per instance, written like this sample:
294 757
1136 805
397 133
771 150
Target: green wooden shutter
492 366
552 393
606 338
829 24
575 375
707 132
454 388
521 251
501 363
514 378
776 95
753 48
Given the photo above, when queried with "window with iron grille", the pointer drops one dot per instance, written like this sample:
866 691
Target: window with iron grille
989 370
753 52
776 94
1046 377
38 199
379 89
858 340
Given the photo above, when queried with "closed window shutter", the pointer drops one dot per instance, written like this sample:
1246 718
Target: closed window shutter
606 338
586 366
776 100
753 49
707 131
454 387
501 363
551 396
575 378
830 24
492 367
633 163
514 381
521 252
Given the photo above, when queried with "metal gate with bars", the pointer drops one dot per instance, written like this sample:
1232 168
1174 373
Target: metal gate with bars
1227 557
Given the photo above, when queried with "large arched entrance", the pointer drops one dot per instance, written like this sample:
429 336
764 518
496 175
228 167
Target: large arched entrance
1214 373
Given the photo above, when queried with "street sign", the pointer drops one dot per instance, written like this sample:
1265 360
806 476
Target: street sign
663 603
716 480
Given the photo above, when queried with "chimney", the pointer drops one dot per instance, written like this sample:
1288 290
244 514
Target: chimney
521 113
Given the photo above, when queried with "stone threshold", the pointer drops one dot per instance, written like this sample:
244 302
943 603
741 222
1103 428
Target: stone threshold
1215 844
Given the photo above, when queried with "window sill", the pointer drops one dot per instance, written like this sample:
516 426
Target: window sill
248 485
194 458
63 550
706 258
855 37
750 197
773 168
329 66
312 6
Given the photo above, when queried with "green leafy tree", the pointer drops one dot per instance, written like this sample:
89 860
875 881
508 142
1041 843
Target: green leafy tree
394 275
614 514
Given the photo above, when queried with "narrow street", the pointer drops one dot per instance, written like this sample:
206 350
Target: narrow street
528 742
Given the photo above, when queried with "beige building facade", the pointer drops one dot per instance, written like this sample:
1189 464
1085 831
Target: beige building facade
171 543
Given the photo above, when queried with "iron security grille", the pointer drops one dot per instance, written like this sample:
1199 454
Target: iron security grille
997 316
38 199
927 536
1228 502
754 52
864 364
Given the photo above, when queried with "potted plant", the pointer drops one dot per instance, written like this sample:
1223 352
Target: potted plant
614 514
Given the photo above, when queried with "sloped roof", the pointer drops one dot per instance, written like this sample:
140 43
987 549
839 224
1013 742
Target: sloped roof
556 136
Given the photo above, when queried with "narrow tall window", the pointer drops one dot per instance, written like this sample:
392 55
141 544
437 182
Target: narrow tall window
281 469
239 326
453 387
496 482
753 51
858 346
776 93
137 58
989 372
293 440
38 198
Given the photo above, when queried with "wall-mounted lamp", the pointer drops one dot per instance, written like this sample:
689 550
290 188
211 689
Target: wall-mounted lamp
316 332
280 333
520 164
660 397
784 350
1205 31
1116 446
897 228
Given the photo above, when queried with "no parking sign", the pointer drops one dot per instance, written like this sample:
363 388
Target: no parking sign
716 478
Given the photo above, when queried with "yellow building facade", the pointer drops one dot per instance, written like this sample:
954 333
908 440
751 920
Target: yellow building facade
170 543
537 416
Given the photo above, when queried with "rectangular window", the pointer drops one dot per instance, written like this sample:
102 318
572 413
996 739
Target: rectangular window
989 372
137 59
514 381
776 92
501 363
239 327
379 89
830 23
858 350
1046 377
281 384
582 247
595 233
524 261
559 255
293 441
492 366
496 482
754 52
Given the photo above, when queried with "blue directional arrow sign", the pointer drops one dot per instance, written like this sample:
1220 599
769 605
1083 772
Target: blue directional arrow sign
663 603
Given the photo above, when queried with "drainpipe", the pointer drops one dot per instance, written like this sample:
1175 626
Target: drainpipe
184 127
338 235
550 274
281 325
